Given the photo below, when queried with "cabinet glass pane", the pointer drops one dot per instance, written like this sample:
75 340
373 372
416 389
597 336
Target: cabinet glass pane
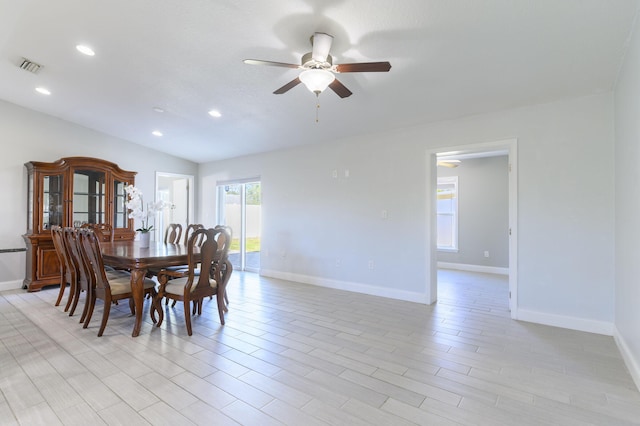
52 201
119 199
88 197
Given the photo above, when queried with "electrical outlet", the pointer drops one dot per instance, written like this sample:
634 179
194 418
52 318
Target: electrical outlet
371 265
338 263
486 253
334 174
385 214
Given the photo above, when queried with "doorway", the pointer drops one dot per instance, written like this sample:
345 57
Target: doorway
506 148
176 191
240 208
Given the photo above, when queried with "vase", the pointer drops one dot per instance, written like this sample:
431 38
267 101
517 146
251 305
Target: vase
144 239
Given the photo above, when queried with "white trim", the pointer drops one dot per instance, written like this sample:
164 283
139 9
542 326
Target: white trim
10 285
564 321
474 268
387 292
633 365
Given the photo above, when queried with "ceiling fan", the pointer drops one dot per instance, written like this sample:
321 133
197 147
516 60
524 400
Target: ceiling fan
318 68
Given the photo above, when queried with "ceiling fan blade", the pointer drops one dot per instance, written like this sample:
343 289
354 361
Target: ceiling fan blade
364 67
290 85
271 63
340 89
321 46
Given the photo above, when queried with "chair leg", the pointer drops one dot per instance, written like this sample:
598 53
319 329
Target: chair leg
72 292
76 297
221 307
187 315
132 306
91 301
63 287
105 315
85 310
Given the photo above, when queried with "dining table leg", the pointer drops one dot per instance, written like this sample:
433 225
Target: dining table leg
137 289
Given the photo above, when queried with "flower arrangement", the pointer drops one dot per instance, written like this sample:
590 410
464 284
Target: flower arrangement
136 207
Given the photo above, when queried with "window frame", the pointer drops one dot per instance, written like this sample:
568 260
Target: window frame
449 181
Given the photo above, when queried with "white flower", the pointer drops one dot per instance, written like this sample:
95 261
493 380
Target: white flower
136 207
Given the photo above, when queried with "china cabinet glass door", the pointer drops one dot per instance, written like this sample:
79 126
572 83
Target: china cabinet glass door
120 219
89 188
52 201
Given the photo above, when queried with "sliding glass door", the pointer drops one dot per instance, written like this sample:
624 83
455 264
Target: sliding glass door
239 207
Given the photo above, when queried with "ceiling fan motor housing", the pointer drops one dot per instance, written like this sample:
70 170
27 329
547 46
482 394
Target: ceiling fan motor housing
308 62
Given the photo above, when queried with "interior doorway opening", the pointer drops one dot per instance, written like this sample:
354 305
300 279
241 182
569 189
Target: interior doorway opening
490 228
176 191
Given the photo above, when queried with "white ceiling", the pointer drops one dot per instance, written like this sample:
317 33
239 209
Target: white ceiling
450 58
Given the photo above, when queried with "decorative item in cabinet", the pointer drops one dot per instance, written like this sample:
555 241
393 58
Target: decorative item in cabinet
71 192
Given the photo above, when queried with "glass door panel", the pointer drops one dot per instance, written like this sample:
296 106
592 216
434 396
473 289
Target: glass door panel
120 213
240 208
52 198
89 188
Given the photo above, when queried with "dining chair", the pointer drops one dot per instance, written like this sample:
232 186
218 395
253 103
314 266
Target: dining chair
67 271
190 287
191 228
81 268
109 288
224 242
173 233
222 236
104 231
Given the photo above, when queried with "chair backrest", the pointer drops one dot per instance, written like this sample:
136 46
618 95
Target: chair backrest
82 269
67 271
223 238
173 233
90 246
208 249
190 230
103 231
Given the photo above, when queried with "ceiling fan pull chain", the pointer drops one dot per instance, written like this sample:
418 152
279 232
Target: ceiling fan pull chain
317 105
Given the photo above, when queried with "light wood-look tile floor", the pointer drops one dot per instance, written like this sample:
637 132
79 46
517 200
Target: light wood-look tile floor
295 354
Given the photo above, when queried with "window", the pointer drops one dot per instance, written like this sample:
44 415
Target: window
447 204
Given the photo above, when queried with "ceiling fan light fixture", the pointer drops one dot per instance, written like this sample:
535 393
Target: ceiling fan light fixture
317 79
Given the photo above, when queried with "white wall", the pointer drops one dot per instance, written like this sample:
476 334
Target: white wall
627 208
312 222
25 136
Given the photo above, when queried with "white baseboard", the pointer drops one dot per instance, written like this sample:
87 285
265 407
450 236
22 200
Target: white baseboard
474 268
633 364
10 285
348 286
571 323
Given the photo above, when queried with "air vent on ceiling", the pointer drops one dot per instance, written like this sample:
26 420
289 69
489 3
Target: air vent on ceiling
30 66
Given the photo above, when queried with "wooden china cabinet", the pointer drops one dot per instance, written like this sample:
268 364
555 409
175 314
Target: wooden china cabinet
71 192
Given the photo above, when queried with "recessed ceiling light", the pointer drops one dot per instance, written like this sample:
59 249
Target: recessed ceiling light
158 109
156 133
85 50
215 113
43 91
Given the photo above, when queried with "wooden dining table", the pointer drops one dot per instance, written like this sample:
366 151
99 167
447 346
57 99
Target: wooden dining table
130 255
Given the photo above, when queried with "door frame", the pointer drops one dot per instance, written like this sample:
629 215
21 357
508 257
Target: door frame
500 147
